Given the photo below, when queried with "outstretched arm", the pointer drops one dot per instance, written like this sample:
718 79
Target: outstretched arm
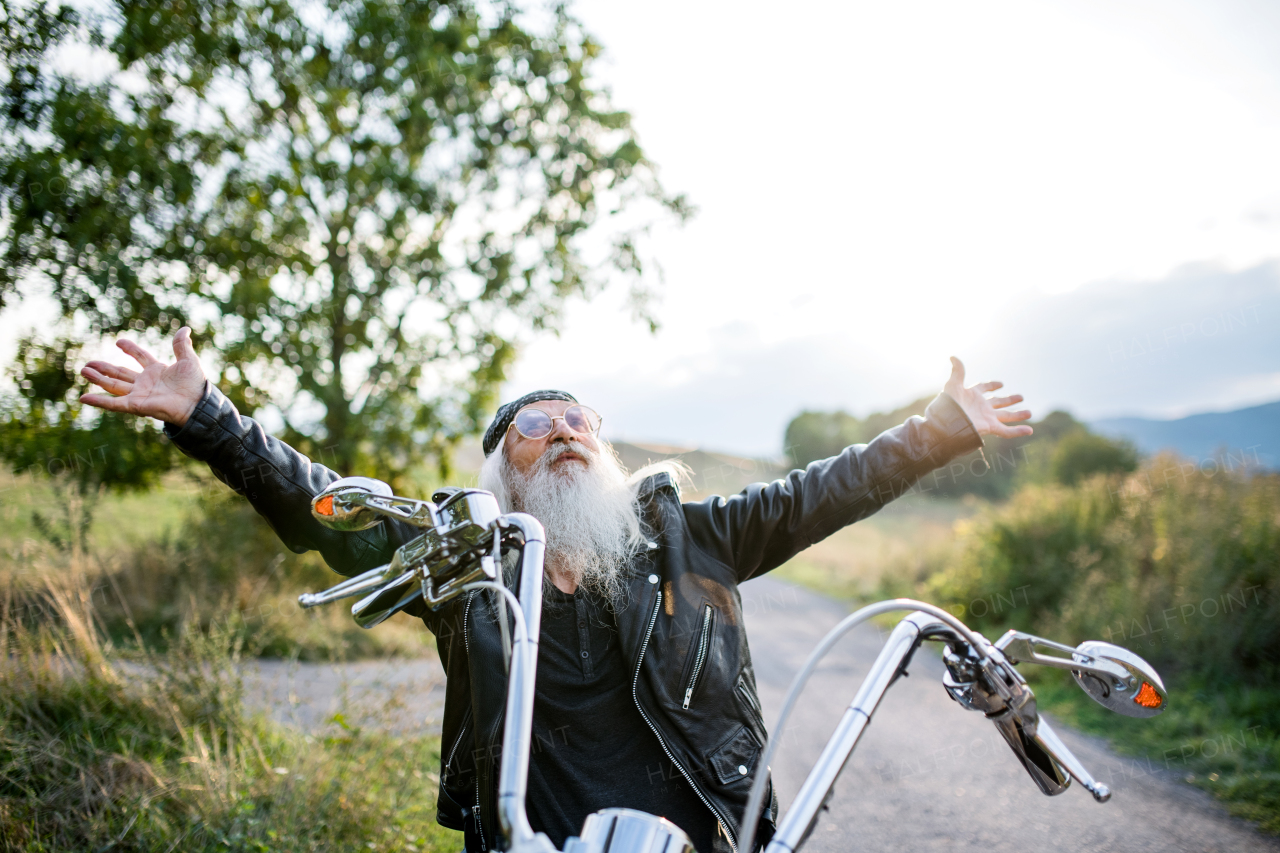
766 524
278 480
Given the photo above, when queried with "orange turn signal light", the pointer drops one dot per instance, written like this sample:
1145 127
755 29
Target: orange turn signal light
324 506
1148 697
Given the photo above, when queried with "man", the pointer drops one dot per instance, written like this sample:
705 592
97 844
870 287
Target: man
645 694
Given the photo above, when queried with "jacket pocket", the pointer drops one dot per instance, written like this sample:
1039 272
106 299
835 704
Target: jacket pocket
735 759
700 652
455 761
452 805
749 697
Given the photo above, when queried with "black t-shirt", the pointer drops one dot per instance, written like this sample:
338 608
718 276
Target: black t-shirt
591 748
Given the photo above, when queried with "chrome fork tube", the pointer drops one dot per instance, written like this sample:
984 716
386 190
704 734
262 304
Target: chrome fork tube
817 788
513 779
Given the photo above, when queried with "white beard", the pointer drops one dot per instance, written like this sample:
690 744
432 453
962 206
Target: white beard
590 513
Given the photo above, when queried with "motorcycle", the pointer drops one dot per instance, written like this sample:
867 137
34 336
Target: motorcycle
465 535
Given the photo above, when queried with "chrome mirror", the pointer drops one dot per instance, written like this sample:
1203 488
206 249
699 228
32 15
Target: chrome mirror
343 505
1115 677
1140 693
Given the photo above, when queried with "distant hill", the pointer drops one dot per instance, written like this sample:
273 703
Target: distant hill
1251 434
713 473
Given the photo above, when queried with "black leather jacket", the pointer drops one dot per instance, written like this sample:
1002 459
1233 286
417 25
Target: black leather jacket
682 586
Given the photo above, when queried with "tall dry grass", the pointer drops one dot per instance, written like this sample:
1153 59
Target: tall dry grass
106 748
185 557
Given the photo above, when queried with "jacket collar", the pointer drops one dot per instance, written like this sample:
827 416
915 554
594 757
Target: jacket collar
655 482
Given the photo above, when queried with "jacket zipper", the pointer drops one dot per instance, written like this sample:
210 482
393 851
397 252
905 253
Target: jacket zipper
704 642
457 743
479 828
724 822
466 644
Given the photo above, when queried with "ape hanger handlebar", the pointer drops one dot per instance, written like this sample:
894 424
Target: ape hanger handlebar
460 551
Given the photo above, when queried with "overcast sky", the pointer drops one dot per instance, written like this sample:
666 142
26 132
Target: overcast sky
1068 195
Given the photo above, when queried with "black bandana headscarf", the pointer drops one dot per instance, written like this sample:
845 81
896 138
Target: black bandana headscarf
506 414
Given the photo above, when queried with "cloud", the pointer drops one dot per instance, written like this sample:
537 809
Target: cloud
1202 338
1199 339
739 395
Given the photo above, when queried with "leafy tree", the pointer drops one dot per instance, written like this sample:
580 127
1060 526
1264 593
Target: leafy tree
818 435
1081 453
360 205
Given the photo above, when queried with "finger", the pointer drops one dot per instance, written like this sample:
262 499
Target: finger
182 347
107 383
115 371
1001 402
984 387
957 372
1003 431
140 355
106 401
1013 417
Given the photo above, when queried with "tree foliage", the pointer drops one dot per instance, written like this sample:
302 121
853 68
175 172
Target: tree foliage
1081 454
815 435
360 206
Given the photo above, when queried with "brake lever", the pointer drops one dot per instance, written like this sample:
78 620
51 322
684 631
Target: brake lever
357 585
1048 740
461 545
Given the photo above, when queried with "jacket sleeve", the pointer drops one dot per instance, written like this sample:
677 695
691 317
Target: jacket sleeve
280 483
766 524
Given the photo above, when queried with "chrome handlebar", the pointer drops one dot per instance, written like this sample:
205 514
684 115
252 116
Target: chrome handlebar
981 676
994 687
463 532
460 551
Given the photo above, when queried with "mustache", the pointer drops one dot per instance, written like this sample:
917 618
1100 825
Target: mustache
555 451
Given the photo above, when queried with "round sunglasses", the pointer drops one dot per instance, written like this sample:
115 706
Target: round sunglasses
535 423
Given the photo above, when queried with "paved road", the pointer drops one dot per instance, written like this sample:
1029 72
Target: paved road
927 776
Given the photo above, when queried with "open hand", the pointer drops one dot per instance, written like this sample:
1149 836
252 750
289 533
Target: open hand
990 415
169 392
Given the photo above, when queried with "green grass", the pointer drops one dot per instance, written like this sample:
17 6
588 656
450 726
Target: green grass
192 555
156 752
907 537
122 725
119 520
1223 740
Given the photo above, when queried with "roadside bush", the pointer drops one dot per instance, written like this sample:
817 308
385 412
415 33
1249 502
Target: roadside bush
1180 564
